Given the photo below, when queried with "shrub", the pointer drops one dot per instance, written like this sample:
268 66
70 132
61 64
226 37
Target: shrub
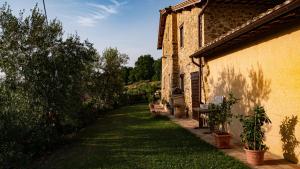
253 134
223 113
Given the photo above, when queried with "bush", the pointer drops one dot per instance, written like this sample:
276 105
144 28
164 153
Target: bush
253 134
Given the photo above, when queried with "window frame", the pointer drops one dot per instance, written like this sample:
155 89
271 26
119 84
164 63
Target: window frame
181 35
200 30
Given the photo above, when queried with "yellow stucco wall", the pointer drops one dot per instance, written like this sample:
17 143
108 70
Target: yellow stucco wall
266 72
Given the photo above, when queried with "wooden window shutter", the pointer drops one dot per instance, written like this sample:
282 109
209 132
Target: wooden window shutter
195 91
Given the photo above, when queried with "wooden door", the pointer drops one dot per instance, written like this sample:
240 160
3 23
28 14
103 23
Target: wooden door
195 92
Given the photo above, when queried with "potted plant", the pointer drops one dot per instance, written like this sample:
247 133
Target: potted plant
178 97
178 102
219 119
253 135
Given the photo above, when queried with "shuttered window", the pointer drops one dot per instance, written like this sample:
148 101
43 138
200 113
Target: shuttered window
195 91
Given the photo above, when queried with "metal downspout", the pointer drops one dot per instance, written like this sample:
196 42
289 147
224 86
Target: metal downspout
200 64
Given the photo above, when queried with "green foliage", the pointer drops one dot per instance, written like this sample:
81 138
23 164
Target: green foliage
144 68
253 134
108 81
126 74
132 76
157 65
49 86
177 90
222 113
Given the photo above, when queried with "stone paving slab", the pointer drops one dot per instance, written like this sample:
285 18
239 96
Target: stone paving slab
271 161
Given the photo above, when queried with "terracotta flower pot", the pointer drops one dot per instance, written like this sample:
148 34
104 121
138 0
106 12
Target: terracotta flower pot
151 107
222 141
179 112
255 157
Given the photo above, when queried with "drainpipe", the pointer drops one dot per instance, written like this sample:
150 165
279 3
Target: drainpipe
200 65
204 7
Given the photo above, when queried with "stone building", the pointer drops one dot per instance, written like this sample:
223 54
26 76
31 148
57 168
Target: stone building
248 47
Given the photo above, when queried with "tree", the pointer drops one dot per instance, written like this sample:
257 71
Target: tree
44 80
25 45
144 68
125 74
133 75
157 70
109 83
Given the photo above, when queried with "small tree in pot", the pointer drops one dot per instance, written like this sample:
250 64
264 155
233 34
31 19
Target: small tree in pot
178 102
253 135
221 117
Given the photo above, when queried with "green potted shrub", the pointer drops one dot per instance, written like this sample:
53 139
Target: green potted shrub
220 119
178 102
253 135
178 97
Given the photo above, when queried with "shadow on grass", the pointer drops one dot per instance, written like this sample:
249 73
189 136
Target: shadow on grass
131 138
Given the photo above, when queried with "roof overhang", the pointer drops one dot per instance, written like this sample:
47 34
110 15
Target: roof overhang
286 12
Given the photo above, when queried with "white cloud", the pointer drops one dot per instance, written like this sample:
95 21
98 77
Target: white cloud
86 21
108 9
98 12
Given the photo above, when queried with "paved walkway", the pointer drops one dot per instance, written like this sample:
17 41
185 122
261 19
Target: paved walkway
271 161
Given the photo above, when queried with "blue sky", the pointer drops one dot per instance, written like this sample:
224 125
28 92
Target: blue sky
129 25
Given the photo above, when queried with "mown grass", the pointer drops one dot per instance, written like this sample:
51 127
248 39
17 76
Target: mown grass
130 138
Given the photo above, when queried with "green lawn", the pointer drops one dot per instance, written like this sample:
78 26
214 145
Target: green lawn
130 138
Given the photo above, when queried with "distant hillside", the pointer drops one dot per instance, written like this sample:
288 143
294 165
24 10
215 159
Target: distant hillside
143 91
143 84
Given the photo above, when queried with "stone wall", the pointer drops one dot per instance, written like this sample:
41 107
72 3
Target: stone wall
222 17
167 60
170 57
176 59
189 21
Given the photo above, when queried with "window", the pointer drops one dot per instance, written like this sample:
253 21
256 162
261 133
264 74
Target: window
182 82
200 30
181 30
